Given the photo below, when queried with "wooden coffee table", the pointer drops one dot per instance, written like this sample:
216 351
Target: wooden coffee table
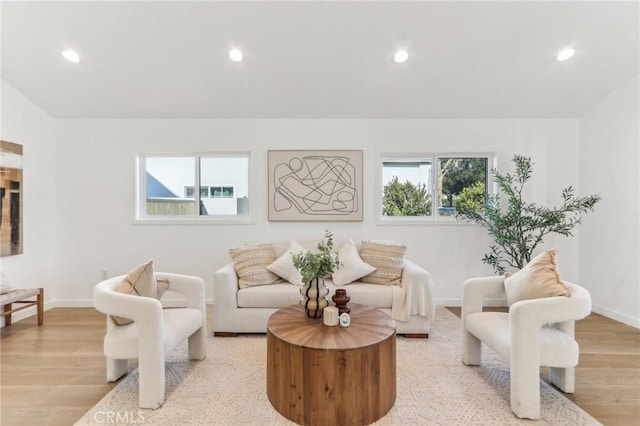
321 375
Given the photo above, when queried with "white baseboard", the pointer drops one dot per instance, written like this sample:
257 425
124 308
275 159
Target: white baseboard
623 318
174 303
79 303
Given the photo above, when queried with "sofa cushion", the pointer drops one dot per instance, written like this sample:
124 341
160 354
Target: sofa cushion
122 342
378 296
388 259
352 266
539 278
283 266
250 263
271 296
281 295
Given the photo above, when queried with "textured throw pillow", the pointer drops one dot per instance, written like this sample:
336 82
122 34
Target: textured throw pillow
140 282
353 267
539 278
283 266
388 259
250 263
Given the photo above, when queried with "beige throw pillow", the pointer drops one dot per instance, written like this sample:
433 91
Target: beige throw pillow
250 263
140 282
539 278
388 259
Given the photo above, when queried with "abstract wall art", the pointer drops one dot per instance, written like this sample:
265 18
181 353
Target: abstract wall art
315 185
10 198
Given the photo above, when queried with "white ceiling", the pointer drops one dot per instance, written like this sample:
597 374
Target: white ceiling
318 59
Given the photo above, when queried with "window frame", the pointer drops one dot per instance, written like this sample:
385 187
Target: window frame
434 157
141 190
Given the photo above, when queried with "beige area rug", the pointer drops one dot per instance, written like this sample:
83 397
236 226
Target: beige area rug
433 388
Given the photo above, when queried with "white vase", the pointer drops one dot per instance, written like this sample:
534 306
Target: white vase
314 297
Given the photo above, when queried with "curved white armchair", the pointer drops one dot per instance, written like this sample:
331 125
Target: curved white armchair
534 333
154 332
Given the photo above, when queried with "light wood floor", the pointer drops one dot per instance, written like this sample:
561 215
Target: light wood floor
52 375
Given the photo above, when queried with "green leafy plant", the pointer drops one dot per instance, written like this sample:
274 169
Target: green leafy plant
518 226
405 199
320 263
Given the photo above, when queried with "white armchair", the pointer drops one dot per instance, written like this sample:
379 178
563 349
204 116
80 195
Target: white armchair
534 333
154 332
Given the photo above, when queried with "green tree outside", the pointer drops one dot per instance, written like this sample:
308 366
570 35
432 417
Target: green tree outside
405 199
472 198
456 174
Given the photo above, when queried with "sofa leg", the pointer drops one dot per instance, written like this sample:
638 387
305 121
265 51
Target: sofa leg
416 335
225 334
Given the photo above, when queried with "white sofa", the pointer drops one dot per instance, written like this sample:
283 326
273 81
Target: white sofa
247 310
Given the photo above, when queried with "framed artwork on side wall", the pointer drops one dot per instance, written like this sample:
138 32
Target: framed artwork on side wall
10 198
315 185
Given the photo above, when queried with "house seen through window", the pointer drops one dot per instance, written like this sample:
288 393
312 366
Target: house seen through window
198 185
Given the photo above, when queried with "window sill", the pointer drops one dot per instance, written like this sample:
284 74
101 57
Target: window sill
420 221
200 220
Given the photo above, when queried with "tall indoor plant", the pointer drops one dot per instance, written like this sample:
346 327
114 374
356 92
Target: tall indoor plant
314 266
518 226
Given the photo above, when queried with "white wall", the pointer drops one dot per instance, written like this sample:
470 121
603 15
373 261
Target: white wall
610 238
96 175
26 124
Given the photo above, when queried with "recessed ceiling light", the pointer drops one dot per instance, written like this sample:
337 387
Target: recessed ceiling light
71 55
565 54
235 55
401 56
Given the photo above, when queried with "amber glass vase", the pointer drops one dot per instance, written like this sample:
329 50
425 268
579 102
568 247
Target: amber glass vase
341 299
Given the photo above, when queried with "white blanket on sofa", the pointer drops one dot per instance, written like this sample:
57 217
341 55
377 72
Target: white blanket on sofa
415 296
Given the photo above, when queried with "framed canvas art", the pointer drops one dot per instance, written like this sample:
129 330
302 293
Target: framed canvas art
10 198
315 185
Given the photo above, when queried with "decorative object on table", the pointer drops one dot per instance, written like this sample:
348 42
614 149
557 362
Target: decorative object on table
313 267
11 199
330 316
518 226
341 299
316 185
345 320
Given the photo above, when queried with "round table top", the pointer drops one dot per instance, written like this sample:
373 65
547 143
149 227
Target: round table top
369 326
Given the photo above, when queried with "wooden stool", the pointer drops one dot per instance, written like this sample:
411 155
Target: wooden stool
19 296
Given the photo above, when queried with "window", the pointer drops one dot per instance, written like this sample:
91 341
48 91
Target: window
183 187
189 191
222 191
425 187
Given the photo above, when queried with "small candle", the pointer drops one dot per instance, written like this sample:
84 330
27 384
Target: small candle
330 315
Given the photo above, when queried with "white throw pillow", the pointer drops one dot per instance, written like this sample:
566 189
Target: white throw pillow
353 267
283 266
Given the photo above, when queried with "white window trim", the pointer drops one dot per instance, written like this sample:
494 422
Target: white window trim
434 218
141 189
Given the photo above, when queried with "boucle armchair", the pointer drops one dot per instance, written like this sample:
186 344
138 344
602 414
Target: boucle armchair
154 332
534 333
